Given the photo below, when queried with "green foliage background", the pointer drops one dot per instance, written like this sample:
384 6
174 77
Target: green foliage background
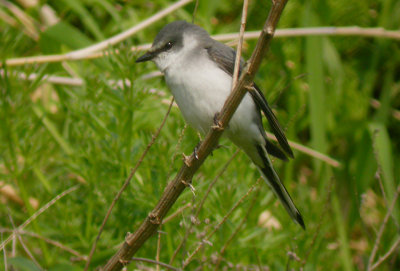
55 136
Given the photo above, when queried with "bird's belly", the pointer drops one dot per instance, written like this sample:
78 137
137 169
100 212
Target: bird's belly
200 95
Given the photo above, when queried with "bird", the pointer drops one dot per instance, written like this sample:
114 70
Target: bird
198 70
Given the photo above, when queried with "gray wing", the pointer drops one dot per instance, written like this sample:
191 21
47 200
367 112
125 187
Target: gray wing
225 56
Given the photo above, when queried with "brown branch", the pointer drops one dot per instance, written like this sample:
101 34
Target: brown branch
126 183
184 177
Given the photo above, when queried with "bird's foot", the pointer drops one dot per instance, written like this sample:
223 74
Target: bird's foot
217 124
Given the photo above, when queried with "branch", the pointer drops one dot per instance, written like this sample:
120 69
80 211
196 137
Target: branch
134 241
377 32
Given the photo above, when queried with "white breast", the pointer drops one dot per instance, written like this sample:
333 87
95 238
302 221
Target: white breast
200 90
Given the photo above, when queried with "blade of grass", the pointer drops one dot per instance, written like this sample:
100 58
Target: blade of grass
315 78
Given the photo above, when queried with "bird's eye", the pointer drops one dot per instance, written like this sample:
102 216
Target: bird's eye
168 45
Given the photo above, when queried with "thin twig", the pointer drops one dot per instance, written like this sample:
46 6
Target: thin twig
195 11
216 228
238 228
126 183
289 32
177 212
381 229
387 255
200 206
310 152
240 44
26 249
158 248
37 213
133 242
170 267
376 32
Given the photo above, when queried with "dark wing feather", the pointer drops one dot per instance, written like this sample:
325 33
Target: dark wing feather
225 56
262 103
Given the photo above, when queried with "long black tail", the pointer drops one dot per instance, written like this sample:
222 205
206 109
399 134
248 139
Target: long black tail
272 179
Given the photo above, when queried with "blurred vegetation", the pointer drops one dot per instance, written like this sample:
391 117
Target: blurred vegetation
337 95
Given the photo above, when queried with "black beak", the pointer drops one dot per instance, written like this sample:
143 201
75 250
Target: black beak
146 57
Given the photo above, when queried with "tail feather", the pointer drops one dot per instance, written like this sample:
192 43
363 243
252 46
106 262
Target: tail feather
272 179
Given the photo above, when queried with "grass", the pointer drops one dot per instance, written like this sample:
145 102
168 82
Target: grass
55 136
